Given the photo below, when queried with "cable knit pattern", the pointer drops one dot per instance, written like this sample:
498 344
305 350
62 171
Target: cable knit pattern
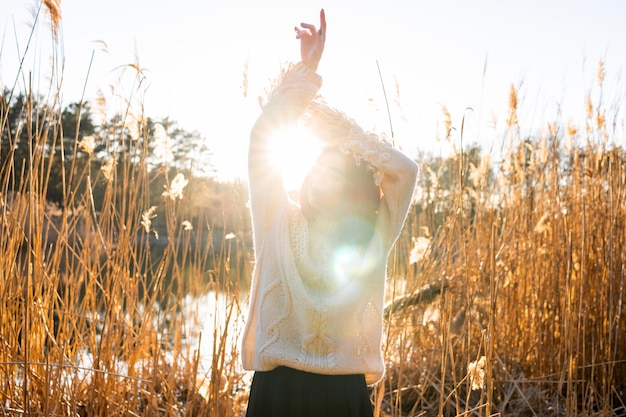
316 307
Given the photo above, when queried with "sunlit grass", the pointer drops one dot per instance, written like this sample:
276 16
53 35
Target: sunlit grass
506 287
531 255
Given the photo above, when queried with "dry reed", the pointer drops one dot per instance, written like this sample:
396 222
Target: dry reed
512 305
532 257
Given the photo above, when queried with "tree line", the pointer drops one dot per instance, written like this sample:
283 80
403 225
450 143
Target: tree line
71 157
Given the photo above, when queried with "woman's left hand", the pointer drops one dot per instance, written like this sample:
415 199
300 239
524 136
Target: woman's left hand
312 42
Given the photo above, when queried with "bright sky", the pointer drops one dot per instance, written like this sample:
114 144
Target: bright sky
455 53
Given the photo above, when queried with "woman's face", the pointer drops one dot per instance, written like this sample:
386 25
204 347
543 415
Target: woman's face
326 181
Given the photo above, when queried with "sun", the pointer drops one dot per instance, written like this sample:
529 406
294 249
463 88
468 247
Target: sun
293 150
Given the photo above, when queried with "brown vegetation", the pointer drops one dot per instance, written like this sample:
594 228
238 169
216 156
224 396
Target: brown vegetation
506 289
531 258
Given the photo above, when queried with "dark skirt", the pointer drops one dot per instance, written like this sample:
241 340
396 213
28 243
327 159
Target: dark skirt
286 392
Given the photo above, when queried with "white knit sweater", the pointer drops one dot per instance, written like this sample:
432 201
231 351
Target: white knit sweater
312 307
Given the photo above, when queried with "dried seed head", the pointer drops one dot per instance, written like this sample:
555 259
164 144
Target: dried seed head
146 218
572 130
600 119
54 10
420 247
476 373
513 103
175 189
87 144
601 72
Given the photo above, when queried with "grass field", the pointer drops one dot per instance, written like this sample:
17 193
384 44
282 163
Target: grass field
506 288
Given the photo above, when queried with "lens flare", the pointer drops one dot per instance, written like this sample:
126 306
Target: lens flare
293 150
350 262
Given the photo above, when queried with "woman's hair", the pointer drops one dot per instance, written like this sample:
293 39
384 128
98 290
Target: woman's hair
356 214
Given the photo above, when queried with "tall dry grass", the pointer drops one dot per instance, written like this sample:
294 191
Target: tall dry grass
506 287
93 320
529 257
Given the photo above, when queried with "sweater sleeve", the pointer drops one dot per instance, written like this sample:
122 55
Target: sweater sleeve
287 101
392 170
399 176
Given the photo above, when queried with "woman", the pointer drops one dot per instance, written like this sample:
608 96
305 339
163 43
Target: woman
313 333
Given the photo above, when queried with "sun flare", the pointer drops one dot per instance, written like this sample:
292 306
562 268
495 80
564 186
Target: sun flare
293 150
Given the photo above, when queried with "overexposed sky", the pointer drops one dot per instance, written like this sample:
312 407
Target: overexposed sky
457 53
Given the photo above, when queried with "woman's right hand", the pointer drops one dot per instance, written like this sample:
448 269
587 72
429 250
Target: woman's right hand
312 42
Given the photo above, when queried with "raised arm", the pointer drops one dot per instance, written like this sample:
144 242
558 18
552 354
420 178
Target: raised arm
394 171
398 185
287 101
